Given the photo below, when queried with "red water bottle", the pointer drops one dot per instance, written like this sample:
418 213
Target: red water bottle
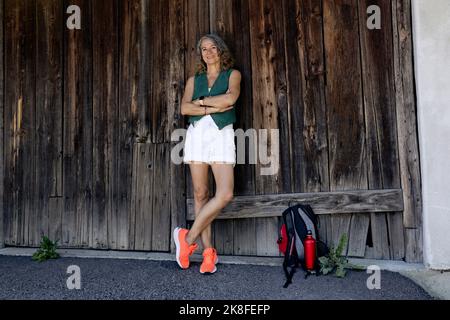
310 251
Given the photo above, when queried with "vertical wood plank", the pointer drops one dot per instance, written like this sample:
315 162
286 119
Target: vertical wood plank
265 59
143 194
77 217
2 126
407 127
396 236
379 107
176 78
48 114
413 245
20 119
270 107
133 111
359 227
105 126
244 237
161 207
266 237
305 56
55 211
344 100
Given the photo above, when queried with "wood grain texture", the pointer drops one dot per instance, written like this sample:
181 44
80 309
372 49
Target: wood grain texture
335 203
49 121
20 115
143 195
88 116
175 119
407 127
380 118
105 115
305 56
78 126
161 207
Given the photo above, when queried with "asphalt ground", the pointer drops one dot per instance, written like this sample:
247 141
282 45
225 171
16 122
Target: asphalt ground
111 279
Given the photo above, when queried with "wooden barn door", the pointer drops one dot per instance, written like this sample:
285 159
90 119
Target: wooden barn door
341 96
88 120
89 115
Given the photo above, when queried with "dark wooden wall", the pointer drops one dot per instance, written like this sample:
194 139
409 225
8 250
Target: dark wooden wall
88 117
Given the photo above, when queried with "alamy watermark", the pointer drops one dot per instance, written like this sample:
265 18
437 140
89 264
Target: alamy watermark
261 148
74 280
374 281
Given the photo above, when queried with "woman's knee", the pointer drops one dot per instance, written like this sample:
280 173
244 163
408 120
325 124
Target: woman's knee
225 197
201 194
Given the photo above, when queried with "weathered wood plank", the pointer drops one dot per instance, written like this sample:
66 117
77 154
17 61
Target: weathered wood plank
77 188
266 237
408 147
48 113
133 105
379 107
244 237
396 235
340 225
19 119
265 58
175 119
406 113
105 82
2 126
161 194
344 99
380 244
359 226
143 194
223 234
413 245
358 201
307 95
159 37
55 210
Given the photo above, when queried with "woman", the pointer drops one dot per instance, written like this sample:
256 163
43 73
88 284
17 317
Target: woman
209 100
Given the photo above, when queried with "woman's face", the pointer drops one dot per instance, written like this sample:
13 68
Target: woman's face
210 52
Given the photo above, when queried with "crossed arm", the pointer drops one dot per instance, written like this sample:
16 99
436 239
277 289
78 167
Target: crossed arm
215 104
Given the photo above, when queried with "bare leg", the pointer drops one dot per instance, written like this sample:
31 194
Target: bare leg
199 173
224 177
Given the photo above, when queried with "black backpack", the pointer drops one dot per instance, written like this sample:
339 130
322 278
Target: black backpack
296 221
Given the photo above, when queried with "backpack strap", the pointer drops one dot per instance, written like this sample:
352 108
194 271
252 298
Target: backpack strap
287 258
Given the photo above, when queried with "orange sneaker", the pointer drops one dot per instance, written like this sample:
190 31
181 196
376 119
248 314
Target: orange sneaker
184 250
210 260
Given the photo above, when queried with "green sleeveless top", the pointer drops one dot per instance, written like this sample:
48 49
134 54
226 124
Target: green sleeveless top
219 87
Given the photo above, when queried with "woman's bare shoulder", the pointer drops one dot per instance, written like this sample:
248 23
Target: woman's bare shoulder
235 73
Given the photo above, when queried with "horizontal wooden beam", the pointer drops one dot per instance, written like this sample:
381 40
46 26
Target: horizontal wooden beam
263 206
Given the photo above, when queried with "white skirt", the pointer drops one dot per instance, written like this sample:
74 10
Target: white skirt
206 143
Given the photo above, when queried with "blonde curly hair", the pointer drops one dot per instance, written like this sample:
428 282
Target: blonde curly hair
226 58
